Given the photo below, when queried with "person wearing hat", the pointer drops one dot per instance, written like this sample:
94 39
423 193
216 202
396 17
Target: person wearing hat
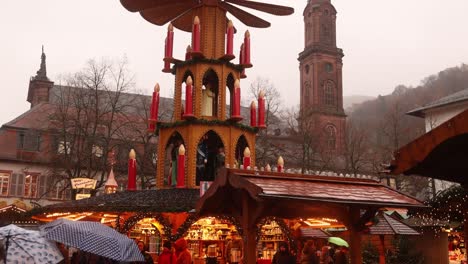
167 256
183 255
283 256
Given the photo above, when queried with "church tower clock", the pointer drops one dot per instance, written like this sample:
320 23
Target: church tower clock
320 65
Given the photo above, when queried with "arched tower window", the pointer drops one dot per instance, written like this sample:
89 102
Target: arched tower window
229 95
210 93
330 136
329 93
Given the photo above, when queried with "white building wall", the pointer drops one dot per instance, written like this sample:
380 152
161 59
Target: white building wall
436 116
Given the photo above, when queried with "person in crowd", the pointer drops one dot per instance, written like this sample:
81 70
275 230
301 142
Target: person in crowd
234 249
283 256
308 255
182 253
341 256
325 257
142 248
64 250
167 256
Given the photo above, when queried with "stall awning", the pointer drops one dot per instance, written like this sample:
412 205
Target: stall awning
387 225
440 153
164 200
294 195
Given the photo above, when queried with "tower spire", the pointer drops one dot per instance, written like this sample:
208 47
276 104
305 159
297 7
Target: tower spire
42 72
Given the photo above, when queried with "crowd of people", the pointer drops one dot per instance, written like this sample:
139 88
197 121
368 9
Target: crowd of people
311 254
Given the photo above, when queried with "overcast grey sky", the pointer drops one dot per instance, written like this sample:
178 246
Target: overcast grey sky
386 43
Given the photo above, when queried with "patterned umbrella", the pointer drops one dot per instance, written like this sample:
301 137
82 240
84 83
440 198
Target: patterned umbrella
28 246
93 237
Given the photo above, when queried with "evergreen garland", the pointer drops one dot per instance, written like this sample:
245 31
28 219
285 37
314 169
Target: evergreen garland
206 123
205 61
282 225
370 254
133 220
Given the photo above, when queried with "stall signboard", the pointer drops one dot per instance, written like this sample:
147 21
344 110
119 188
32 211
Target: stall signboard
80 196
83 183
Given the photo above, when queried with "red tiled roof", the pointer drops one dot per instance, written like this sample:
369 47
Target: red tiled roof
388 225
330 189
35 118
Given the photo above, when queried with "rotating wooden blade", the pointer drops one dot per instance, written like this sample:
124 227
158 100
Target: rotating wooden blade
184 21
267 8
139 5
246 18
164 13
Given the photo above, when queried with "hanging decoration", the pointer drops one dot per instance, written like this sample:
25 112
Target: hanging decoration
282 225
133 220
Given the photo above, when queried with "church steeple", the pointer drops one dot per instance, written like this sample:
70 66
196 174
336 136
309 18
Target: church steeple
39 85
41 74
321 75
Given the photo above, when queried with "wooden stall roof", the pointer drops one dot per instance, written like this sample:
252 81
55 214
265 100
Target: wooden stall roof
304 188
387 225
331 189
164 200
314 232
440 153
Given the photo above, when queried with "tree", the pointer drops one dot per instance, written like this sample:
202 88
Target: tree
358 149
92 116
266 148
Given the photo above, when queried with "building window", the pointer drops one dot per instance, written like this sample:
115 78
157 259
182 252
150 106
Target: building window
30 185
29 140
328 67
63 147
307 68
4 183
329 93
330 134
59 190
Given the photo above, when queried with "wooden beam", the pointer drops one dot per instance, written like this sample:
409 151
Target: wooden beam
355 250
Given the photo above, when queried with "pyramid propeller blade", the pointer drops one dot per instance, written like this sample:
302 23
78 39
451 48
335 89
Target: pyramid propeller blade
267 8
246 18
184 21
139 5
162 14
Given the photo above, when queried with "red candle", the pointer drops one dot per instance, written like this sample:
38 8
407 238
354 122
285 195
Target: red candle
253 114
131 171
196 35
242 60
170 40
280 164
188 98
261 110
235 114
154 108
246 162
181 167
230 39
247 47
167 64
187 53
241 54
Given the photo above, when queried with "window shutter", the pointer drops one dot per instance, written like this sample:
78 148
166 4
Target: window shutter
42 190
17 183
